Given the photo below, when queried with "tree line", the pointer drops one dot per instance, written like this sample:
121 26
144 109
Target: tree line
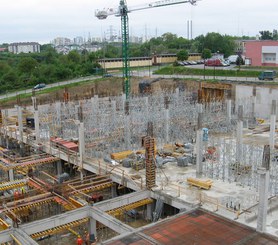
18 71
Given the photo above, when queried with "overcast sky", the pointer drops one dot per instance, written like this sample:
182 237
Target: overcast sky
43 20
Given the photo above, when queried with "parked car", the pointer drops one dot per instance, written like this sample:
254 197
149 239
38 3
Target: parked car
213 62
107 75
267 75
193 62
39 86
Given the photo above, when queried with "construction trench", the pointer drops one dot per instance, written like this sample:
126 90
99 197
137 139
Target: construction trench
117 170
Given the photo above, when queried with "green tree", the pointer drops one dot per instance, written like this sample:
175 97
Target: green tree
266 35
206 54
10 79
27 65
239 61
182 55
74 57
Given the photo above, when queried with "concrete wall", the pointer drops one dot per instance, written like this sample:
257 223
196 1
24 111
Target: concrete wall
264 97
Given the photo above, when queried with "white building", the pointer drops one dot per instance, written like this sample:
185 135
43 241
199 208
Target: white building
24 47
61 41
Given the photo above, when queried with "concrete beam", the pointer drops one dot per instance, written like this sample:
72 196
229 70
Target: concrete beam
61 219
174 202
122 200
96 212
21 236
109 221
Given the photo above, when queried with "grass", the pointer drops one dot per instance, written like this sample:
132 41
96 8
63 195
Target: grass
180 70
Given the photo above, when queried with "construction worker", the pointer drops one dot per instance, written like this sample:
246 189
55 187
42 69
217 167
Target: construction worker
79 240
16 195
22 191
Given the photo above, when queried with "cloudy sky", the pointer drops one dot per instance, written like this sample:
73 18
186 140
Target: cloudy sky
43 20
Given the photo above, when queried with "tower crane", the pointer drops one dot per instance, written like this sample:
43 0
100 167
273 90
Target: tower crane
122 11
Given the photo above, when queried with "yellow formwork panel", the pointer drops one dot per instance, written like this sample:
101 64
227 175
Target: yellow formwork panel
59 228
120 155
202 184
121 210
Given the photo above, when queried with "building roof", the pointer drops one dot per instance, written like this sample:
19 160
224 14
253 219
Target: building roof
197 227
24 43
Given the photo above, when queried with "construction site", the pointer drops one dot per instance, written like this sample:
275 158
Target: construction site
163 167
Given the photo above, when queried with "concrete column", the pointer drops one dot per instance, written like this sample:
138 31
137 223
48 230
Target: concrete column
11 175
7 142
199 142
113 191
37 126
123 101
81 175
59 167
254 108
92 227
167 125
150 209
20 123
272 125
263 199
177 93
59 119
199 153
229 110
263 190
81 140
239 139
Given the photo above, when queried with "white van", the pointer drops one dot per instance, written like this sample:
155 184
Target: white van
232 59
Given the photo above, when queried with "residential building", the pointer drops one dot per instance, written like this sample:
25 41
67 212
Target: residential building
61 41
24 47
261 52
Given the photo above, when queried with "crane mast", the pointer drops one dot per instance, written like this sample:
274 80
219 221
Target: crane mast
123 11
125 47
